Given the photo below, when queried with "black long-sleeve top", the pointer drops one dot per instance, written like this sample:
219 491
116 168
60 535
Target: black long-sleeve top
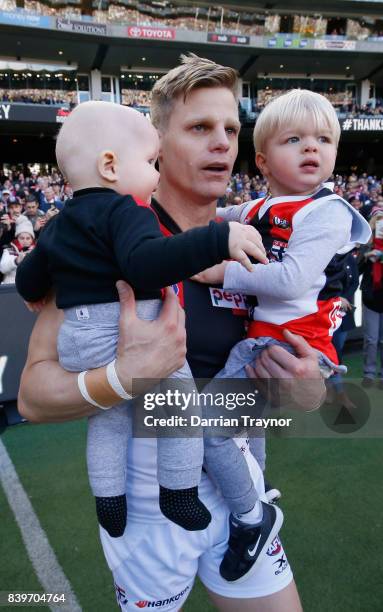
101 237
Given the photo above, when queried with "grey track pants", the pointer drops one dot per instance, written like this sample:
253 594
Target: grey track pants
88 339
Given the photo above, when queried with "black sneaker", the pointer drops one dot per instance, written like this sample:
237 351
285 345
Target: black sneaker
247 543
272 493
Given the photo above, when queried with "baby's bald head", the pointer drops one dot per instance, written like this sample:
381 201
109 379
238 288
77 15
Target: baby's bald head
91 130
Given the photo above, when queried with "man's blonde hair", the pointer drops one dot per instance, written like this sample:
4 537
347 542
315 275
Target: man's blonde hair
293 109
193 73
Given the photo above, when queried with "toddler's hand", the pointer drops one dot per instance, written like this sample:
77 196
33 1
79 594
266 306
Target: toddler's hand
36 306
244 240
212 276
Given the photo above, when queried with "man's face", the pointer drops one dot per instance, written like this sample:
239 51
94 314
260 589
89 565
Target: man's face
49 195
200 144
31 209
14 210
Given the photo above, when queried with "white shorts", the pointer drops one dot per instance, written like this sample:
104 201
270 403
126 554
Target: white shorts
154 565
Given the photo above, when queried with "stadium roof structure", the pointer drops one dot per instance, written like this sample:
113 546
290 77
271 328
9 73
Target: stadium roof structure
108 54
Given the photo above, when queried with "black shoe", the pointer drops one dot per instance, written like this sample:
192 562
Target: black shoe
248 543
367 382
272 493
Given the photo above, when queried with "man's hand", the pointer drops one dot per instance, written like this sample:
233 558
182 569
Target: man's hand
244 240
52 212
300 382
41 221
213 275
5 219
149 349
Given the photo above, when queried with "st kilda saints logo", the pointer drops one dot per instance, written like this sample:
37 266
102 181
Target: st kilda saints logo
281 223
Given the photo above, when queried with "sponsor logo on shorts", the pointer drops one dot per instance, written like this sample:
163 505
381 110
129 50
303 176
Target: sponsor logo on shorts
281 565
161 602
274 548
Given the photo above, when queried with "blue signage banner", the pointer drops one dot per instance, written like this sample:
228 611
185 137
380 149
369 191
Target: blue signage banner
23 18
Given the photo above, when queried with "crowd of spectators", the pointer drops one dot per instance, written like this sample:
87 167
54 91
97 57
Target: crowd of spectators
26 204
39 96
135 97
28 201
342 101
363 192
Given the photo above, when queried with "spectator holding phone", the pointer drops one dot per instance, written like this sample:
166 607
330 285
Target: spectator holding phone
49 201
14 254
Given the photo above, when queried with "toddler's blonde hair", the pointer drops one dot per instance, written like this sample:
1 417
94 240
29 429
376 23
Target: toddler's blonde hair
293 109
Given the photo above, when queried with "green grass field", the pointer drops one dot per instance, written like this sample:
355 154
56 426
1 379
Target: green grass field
332 500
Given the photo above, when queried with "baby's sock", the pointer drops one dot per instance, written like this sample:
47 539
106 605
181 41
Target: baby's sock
253 516
111 514
184 508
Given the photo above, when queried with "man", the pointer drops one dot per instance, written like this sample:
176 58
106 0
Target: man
5 197
195 111
32 211
15 209
48 200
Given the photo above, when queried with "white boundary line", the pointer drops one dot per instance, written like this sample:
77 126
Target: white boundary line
40 552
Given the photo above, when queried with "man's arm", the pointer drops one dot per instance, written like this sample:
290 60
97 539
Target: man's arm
146 349
47 392
234 213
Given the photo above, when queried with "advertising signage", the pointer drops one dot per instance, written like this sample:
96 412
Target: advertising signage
286 42
228 39
362 124
151 33
23 18
339 44
80 27
35 113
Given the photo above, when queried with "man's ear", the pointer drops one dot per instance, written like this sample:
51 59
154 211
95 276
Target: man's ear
260 162
107 166
160 138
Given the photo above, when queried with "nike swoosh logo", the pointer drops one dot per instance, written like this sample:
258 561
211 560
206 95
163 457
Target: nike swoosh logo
251 552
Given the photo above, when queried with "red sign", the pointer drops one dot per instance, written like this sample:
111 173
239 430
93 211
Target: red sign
152 33
62 114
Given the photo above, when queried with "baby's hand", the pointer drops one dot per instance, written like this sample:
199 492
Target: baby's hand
213 275
244 240
36 306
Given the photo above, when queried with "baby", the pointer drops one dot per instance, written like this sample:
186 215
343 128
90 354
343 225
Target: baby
105 233
307 230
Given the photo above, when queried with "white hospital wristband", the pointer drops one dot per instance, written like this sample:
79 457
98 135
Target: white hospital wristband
85 394
114 382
